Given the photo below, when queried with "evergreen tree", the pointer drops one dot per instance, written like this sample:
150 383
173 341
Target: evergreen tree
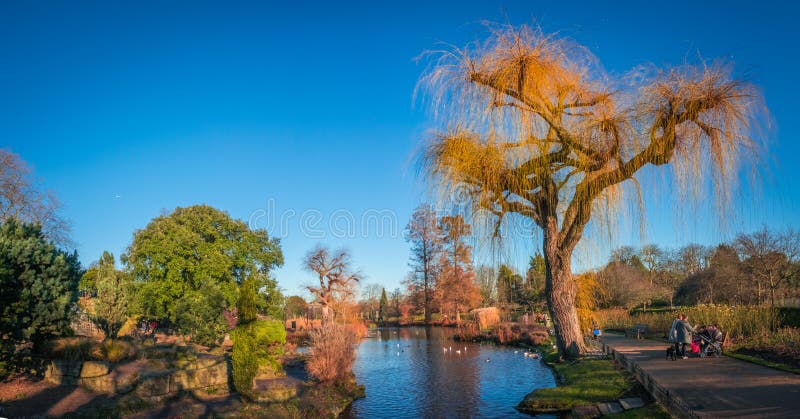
247 301
383 306
38 284
113 290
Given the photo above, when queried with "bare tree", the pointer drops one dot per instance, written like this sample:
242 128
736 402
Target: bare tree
336 279
770 258
456 284
370 296
487 284
531 127
425 236
20 198
651 256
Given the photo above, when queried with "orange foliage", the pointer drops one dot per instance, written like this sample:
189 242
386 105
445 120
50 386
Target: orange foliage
332 352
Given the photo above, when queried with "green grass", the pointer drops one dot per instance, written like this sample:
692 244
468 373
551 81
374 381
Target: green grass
763 362
586 381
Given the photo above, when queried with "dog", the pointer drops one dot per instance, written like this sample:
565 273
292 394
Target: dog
671 355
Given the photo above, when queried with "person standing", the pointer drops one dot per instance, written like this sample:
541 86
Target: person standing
683 336
671 336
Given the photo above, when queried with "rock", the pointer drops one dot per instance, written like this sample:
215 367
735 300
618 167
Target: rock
588 411
631 403
63 371
273 391
609 408
125 383
266 372
215 375
207 362
153 385
93 369
102 384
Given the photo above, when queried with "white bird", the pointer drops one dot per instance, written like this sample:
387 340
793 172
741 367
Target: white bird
398 354
458 351
398 345
516 352
465 349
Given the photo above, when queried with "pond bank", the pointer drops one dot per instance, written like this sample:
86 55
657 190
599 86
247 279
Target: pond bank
589 387
144 388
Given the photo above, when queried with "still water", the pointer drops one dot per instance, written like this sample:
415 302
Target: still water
408 374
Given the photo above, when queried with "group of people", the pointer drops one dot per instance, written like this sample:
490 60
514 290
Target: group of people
147 327
681 334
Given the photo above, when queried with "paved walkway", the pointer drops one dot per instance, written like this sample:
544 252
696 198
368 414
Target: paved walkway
708 387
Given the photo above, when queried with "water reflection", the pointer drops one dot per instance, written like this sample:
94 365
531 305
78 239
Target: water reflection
420 372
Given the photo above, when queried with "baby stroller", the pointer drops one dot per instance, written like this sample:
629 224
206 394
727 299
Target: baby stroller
708 341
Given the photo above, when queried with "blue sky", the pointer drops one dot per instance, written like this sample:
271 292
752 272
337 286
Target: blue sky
129 109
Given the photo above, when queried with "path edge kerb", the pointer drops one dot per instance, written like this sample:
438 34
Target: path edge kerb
676 406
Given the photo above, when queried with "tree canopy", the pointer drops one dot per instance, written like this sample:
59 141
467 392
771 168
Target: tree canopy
21 198
113 289
187 267
531 126
38 284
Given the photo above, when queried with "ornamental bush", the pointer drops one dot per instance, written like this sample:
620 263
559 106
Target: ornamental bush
257 348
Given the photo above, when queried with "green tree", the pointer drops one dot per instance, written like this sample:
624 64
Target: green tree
536 276
187 267
257 350
247 301
295 306
383 306
531 127
38 284
113 288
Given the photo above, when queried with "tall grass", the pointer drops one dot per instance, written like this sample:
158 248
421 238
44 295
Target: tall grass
739 322
332 353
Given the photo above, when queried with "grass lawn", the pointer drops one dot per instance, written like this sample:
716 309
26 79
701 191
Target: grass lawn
763 362
586 381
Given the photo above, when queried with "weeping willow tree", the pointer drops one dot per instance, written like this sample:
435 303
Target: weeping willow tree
530 126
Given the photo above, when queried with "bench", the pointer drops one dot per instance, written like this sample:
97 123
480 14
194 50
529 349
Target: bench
638 330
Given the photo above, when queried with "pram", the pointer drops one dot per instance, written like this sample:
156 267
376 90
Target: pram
708 342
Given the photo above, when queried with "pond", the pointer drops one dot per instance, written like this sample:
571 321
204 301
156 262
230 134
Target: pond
408 373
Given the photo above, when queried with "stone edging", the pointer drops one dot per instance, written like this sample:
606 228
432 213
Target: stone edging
671 402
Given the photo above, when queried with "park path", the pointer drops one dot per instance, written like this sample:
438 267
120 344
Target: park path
708 387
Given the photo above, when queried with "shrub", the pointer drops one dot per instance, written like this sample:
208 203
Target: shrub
115 350
332 353
486 317
38 284
257 346
69 348
739 322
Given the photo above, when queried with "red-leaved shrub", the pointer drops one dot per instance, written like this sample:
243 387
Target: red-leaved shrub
332 352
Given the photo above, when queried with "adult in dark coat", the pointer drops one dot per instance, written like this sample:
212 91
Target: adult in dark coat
683 336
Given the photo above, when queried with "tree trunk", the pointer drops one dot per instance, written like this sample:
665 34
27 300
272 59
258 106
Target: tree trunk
325 314
561 290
